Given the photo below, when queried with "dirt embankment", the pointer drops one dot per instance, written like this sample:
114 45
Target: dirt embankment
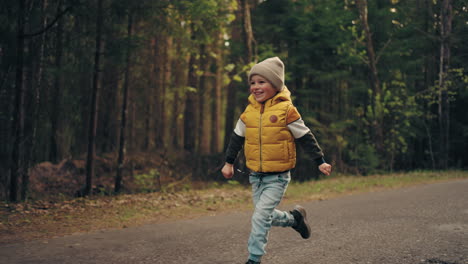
142 173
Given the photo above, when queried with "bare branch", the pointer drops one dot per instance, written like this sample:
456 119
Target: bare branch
382 50
30 35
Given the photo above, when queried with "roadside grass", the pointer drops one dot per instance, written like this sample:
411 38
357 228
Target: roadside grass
343 184
45 219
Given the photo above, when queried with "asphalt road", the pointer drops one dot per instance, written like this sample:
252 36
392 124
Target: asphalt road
422 224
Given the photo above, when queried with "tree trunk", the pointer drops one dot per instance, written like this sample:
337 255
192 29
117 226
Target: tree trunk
375 82
231 96
430 61
120 162
249 37
216 96
175 123
190 112
230 110
147 144
190 117
55 111
202 91
444 104
180 68
36 95
158 61
430 77
29 96
152 110
94 104
17 169
167 74
372 64
131 146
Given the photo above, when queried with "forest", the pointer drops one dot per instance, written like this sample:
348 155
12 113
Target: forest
116 94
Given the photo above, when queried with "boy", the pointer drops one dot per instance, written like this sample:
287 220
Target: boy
268 129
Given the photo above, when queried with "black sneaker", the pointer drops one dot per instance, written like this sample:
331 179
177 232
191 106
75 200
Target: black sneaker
302 227
252 262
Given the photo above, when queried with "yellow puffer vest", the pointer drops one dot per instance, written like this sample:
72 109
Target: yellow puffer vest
269 145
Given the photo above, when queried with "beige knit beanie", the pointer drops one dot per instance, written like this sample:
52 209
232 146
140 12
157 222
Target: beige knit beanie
272 69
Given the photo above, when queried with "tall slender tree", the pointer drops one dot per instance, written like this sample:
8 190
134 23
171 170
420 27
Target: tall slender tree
94 102
241 38
159 61
38 74
58 83
191 103
250 42
205 62
375 81
123 124
17 169
216 97
167 83
444 64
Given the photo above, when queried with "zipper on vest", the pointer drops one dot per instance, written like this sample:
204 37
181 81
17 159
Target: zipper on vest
262 109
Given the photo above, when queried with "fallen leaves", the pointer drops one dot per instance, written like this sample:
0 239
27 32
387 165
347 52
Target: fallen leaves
45 219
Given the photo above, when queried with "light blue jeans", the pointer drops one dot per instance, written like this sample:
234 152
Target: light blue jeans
267 192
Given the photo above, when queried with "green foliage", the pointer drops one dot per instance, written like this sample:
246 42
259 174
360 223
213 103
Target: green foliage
324 46
365 158
394 109
148 182
233 184
351 52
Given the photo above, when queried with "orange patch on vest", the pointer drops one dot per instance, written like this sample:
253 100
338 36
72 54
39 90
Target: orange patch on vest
273 119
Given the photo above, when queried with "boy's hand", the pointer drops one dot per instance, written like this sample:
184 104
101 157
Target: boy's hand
325 168
228 170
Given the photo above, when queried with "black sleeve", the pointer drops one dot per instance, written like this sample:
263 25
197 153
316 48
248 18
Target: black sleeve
235 145
311 147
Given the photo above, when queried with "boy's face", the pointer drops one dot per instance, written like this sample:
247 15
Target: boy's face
261 88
